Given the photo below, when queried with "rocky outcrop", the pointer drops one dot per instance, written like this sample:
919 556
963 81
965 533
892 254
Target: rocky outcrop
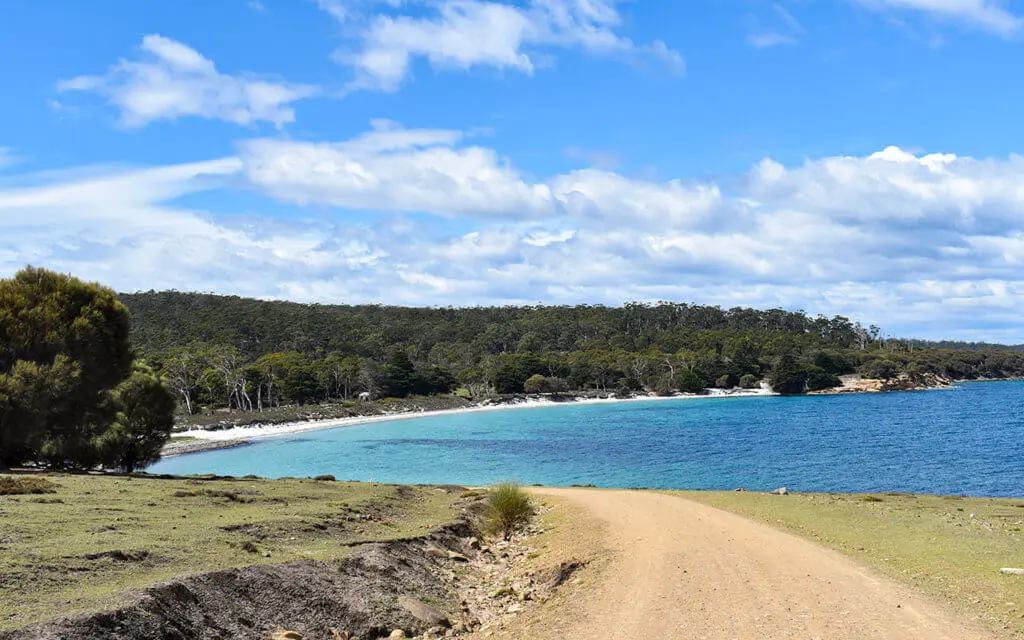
902 382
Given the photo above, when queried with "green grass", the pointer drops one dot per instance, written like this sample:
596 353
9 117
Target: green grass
948 547
79 549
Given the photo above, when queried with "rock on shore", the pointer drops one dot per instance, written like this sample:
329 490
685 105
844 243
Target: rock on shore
902 382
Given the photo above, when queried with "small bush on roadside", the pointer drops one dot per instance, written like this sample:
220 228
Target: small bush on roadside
509 509
326 478
23 486
871 499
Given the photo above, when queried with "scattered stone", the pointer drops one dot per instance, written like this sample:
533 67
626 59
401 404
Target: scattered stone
284 634
474 543
781 491
423 612
1012 571
437 552
397 633
457 557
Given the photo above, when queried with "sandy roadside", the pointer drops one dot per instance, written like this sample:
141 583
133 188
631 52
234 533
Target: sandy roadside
671 568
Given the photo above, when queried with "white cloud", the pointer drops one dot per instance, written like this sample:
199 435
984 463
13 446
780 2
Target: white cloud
394 169
781 28
336 8
470 33
173 80
989 15
768 39
8 158
925 244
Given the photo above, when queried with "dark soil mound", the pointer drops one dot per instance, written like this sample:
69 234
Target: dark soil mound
360 594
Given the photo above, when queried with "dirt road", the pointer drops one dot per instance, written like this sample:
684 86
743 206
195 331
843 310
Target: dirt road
677 569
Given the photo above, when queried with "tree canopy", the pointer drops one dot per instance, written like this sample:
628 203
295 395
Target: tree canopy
340 351
64 351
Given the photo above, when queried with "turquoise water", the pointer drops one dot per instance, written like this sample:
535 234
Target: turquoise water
967 440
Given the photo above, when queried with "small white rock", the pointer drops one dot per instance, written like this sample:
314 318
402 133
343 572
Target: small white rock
1013 572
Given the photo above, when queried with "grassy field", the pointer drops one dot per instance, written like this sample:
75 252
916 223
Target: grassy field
949 547
85 540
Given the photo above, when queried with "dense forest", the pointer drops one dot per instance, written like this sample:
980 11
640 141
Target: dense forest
250 354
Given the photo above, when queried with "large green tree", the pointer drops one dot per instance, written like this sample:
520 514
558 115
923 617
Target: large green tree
63 346
66 398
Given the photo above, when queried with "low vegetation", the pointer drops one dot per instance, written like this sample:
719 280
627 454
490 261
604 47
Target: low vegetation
509 509
949 547
79 549
25 485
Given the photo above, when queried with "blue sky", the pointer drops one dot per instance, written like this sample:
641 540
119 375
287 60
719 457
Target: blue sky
852 157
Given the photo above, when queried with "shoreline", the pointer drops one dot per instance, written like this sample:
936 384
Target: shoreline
204 440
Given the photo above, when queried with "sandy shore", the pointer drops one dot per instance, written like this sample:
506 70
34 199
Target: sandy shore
216 439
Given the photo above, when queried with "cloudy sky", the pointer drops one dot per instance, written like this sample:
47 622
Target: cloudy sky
854 157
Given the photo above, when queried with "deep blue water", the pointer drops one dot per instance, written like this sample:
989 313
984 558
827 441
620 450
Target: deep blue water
967 440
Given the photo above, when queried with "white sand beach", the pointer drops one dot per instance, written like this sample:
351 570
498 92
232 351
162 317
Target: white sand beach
254 432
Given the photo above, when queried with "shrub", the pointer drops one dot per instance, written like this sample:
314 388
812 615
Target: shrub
22 486
536 384
508 509
879 369
818 379
664 387
788 378
749 381
325 478
690 382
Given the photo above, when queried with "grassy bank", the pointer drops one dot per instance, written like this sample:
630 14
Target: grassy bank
948 547
82 542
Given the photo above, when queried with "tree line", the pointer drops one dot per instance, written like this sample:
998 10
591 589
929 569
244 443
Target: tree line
239 353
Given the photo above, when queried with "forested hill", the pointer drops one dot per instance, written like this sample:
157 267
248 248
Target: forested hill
256 327
221 349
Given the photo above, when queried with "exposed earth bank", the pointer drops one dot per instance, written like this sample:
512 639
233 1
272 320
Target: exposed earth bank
381 588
